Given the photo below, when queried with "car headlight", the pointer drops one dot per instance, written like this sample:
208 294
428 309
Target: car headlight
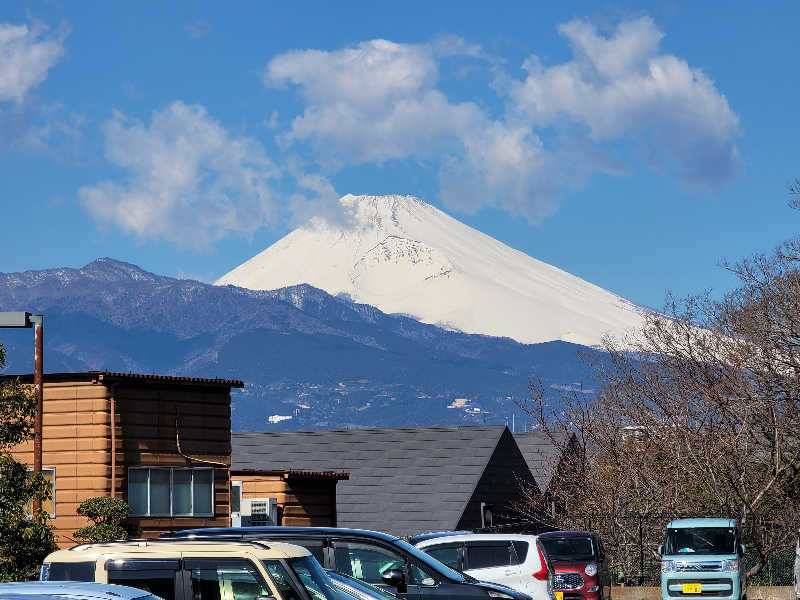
591 569
496 594
667 566
730 565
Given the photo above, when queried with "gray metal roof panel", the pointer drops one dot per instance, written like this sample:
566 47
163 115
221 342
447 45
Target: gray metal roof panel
541 455
389 469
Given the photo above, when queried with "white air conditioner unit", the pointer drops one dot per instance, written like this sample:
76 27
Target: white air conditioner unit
259 511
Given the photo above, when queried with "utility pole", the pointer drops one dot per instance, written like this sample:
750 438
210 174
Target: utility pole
27 320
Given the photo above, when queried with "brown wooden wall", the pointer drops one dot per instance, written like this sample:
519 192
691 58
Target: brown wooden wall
77 443
76 433
147 416
301 502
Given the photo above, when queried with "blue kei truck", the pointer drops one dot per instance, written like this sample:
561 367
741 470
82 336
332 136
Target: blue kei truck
702 558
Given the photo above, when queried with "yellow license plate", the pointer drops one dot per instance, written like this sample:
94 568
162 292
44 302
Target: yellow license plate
559 595
692 588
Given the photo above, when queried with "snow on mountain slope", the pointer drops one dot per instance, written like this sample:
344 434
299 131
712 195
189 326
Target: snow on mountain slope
405 256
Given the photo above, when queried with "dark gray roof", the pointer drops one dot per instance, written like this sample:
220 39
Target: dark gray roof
541 455
402 481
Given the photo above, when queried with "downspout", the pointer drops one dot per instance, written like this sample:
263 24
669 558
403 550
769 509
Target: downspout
113 440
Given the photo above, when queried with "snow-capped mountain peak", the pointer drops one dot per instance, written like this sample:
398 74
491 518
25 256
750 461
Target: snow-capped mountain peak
403 255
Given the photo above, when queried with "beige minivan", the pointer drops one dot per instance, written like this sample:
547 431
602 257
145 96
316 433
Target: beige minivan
197 570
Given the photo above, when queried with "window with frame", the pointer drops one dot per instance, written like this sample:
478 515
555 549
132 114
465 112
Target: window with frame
236 496
171 491
49 505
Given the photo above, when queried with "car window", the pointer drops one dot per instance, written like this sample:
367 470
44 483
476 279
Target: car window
359 589
156 576
448 554
483 555
283 580
228 579
313 578
520 552
67 571
431 563
315 546
418 574
157 584
367 562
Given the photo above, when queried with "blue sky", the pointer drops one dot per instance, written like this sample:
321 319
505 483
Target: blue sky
632 144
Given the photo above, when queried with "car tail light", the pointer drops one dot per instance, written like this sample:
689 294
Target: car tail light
543 574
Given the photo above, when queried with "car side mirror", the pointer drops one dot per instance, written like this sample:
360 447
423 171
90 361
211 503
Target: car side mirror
395 578
744 550
661 550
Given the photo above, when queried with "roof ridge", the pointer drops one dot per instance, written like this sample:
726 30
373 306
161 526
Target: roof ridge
378 429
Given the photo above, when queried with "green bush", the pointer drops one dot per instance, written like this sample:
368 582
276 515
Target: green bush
108 517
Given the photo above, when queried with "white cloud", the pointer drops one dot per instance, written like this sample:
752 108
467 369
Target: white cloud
188 181
27 53
378 101
502 165
320 201
369 103
620 88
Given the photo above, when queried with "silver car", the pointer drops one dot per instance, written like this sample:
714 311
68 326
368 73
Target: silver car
70 590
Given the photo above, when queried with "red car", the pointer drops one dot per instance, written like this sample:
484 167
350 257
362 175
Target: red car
579 565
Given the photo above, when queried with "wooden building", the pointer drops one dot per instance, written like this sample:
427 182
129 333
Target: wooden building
302 498
161 443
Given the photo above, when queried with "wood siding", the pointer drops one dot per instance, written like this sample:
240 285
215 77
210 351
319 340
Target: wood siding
147 416
301 502
76 441
77 444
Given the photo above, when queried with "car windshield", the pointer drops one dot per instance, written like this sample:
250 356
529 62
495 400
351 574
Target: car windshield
701 540
568 548
434 564
314 578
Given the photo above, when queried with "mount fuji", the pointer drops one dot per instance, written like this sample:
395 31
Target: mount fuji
402 255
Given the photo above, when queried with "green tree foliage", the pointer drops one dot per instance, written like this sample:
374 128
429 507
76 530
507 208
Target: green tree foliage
107 516
24 539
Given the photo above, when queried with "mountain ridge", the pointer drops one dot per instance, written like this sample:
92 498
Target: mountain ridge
404 256
324 361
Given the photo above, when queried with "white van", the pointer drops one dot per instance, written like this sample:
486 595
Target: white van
514 560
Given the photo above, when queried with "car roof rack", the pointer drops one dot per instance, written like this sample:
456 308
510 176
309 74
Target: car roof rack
144 542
